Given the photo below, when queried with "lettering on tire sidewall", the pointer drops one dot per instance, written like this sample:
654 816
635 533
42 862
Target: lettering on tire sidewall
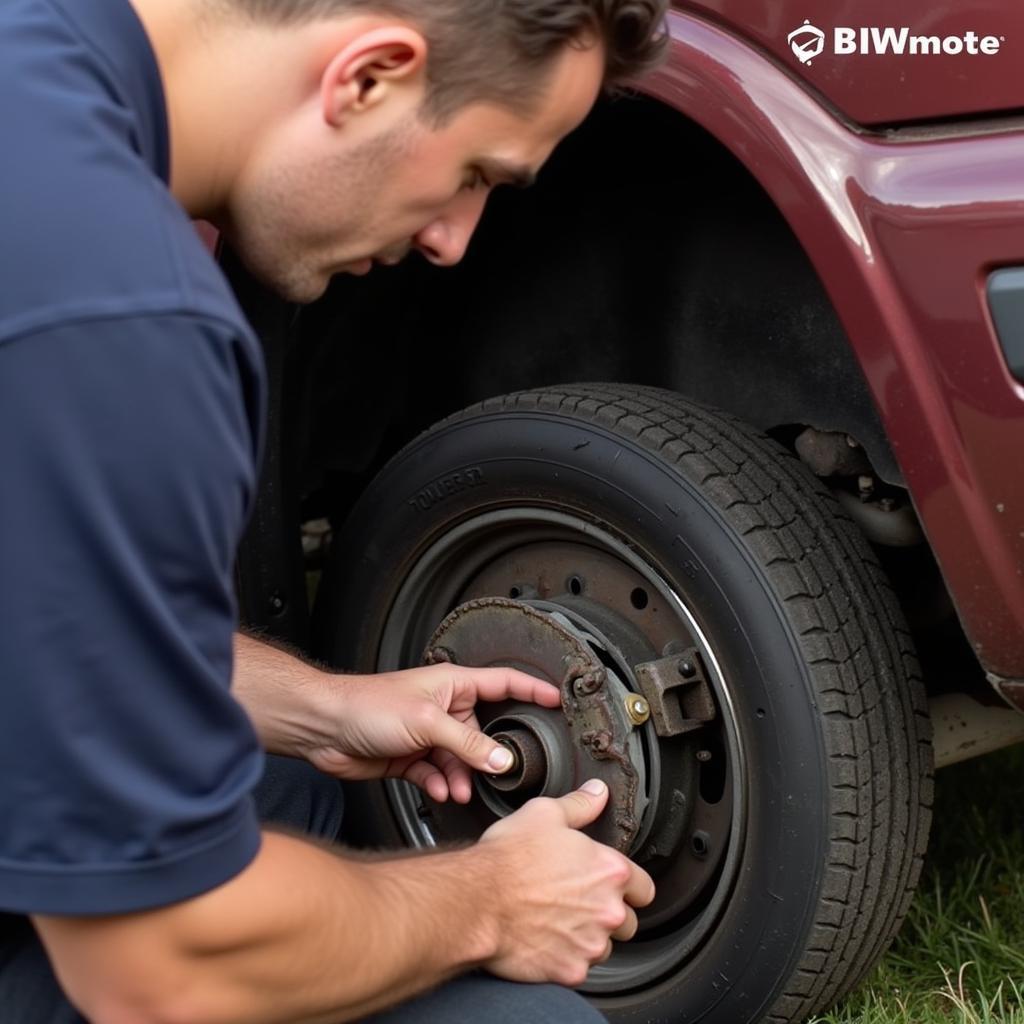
445 487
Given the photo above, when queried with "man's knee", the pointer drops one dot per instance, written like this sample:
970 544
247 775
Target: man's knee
479 997
294 794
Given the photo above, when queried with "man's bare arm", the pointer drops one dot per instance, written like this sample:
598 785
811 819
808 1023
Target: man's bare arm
302 935
306 937
282 694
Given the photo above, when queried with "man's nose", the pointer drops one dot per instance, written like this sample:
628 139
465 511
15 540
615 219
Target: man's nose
445 239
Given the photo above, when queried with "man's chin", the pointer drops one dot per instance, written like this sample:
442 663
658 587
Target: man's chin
313 286
292 288
301 292
288 284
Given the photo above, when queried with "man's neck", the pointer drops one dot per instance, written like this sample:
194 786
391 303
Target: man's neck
225 84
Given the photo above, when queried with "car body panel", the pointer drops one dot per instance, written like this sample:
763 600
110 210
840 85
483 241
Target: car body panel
903 233
885 89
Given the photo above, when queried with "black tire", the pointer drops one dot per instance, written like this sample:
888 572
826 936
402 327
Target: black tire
827 709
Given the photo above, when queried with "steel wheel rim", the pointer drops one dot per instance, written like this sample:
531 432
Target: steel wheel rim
441 572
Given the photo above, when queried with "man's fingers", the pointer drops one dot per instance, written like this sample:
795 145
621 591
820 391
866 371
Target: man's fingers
627 929
639 890
468 744
429 778
460 782
584 805
510 684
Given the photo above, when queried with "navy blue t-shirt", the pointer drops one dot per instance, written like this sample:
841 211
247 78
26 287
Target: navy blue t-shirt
131 404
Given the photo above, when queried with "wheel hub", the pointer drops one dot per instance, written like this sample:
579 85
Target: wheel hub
592 736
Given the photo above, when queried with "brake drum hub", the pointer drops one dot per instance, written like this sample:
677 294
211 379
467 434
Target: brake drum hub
592 736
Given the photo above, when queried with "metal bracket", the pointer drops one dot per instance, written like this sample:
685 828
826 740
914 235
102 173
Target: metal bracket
677 690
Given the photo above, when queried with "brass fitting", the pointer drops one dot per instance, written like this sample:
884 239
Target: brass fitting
637 708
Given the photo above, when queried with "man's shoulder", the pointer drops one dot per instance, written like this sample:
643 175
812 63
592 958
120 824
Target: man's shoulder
89 228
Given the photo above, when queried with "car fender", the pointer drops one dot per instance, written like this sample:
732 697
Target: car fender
903 229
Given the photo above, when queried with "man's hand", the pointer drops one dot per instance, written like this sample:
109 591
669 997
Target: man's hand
419 725
534 900
565 896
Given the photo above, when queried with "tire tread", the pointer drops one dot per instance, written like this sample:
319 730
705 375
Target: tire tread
857 648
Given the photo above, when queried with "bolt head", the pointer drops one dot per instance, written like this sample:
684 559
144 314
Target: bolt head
590 682
638 709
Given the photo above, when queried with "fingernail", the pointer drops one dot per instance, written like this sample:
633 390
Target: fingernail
595 787
500 759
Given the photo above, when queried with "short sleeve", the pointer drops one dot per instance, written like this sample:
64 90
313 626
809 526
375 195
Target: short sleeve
127 450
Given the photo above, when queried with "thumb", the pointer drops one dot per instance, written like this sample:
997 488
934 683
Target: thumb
584 805
470 745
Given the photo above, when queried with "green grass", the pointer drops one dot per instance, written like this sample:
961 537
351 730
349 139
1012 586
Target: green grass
959 958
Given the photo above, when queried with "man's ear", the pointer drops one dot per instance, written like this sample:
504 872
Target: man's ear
363 73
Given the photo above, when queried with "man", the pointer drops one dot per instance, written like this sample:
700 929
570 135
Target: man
320 136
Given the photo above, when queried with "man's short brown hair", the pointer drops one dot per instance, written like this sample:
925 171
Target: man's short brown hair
498 50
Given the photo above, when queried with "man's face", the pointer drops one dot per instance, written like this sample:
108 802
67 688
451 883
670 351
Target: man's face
317 203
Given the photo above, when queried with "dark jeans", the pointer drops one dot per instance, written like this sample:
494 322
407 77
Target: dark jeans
296 796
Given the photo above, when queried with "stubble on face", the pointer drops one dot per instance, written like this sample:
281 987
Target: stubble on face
301 221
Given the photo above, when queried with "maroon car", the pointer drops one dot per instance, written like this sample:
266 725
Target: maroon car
779 545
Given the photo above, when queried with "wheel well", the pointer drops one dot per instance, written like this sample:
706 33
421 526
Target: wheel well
646 253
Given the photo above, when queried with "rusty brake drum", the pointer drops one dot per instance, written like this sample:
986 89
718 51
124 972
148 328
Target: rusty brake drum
555 750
